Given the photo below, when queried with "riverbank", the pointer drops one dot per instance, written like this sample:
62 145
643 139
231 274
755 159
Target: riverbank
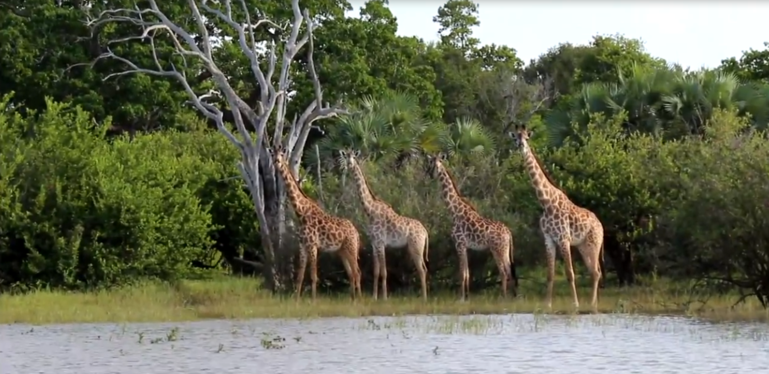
242 298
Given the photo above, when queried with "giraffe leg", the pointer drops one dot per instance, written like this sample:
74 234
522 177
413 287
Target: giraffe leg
313 254
566 252
550 258
301 270
417 256
464 271
499 254
380 253
349 254
376 275
590 252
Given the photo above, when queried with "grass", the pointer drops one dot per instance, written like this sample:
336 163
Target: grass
241 298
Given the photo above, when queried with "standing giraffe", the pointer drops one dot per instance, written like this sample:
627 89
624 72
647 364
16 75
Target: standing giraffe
388 228
563 224
319 230
473 231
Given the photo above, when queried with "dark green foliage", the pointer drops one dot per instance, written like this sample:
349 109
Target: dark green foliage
672 161
81 211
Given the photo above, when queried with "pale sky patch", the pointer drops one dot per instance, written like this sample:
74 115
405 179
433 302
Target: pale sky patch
690 33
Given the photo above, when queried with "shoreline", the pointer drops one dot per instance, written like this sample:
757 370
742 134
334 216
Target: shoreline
242 298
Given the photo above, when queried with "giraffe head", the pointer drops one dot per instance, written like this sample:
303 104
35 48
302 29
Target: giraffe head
279 157
348 158
434 164
520 136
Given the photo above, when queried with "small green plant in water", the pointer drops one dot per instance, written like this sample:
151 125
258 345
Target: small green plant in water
272 342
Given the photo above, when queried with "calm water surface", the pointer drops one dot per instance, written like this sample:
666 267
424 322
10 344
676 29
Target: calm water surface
437 344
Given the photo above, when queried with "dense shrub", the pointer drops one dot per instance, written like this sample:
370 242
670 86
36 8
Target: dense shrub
81 211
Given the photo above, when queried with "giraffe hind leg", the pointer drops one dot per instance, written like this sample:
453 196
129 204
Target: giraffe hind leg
416 251
499 253
590 252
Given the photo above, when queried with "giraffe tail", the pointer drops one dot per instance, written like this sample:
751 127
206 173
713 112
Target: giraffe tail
426 252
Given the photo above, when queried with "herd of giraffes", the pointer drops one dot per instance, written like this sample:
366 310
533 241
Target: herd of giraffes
563 224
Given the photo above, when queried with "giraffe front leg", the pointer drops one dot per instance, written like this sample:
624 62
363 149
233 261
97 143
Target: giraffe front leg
550 259
313 255
300 270
565 249
376 276
464 271
380 253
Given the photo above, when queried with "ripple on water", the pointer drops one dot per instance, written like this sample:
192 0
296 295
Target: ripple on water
431 344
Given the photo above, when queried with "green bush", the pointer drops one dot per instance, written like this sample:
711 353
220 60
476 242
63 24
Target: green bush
81 211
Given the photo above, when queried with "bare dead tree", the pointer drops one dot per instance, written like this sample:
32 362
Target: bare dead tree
523 99
256 167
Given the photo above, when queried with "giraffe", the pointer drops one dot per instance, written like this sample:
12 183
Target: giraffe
473 231
319 231
386 228
563 223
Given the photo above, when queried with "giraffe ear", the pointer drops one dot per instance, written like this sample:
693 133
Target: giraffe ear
531 133
442 156
356 154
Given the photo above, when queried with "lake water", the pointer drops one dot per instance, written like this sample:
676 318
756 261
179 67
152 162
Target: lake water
433 344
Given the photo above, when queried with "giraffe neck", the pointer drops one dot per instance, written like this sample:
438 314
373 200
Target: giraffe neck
546 192
456 203
299 201
366 197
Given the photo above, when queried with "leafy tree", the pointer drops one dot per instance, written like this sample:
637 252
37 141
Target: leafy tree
753 65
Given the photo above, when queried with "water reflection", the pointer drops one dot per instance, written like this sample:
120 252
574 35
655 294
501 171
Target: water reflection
437 344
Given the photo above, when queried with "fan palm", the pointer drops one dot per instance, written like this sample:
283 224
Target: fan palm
667 101
393 125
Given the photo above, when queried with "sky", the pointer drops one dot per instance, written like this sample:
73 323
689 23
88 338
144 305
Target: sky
691 35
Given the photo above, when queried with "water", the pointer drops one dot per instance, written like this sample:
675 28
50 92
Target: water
494 344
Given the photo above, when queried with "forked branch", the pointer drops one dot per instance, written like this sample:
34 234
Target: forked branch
523 99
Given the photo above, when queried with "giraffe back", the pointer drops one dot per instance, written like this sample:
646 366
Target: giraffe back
564 219
480 233
329 233
392 229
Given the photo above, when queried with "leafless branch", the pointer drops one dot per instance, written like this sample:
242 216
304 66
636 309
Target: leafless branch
272 92
524 99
